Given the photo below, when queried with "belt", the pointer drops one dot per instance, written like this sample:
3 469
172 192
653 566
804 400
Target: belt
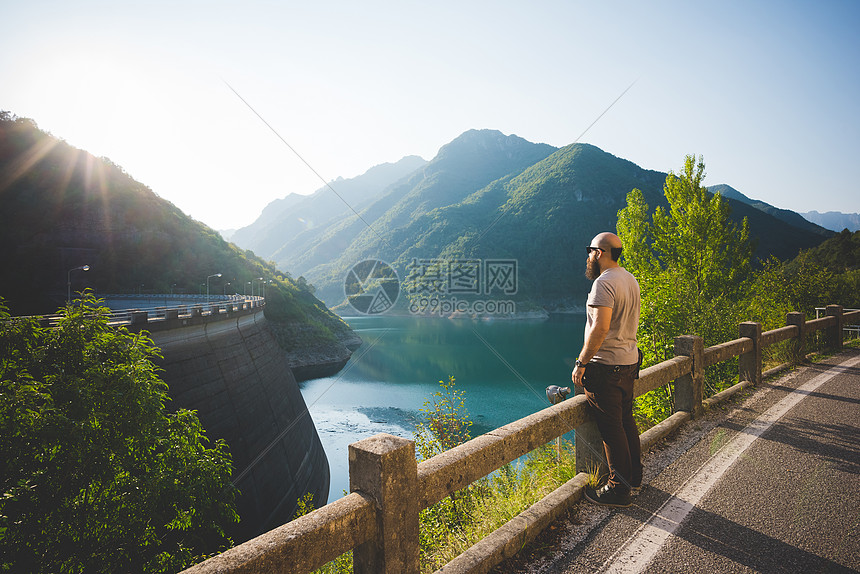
613 368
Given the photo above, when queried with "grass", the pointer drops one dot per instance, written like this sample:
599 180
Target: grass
490 503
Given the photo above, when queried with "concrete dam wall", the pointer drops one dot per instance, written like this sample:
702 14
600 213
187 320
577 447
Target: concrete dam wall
234 374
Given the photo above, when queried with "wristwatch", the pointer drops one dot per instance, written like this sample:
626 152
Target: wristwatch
579 363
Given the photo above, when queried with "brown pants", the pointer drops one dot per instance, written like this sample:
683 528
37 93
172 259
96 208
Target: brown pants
609 391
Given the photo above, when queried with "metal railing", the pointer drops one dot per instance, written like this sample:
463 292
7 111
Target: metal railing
162 317
852 330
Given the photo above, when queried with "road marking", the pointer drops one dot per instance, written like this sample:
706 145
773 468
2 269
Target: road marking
635 554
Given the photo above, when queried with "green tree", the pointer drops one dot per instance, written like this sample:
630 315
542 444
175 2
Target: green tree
444 425
692 261
445 422
693 265
96 475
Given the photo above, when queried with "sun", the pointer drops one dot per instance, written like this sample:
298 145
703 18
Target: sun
101 98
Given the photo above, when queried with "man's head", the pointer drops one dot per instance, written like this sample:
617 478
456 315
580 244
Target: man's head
603 253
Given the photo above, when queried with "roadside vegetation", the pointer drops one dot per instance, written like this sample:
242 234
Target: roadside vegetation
697 274
96 473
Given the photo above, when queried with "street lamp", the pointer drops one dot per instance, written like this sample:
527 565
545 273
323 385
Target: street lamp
252 284
227 284
207 285
69 280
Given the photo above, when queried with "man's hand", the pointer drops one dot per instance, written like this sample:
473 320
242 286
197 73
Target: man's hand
577 374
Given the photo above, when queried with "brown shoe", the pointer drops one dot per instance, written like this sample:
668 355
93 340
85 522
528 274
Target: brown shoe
608 496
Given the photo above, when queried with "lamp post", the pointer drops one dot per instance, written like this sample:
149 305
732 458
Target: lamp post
69 281
252 284
207 285
227 284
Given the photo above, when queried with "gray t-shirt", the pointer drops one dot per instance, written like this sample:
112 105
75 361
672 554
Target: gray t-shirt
617 289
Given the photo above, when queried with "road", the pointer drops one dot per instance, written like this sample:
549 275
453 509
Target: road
768 484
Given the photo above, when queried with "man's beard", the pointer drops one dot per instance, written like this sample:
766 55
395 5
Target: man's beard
592 269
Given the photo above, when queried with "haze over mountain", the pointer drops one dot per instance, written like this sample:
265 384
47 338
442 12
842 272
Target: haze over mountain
284 219
835 220
488 196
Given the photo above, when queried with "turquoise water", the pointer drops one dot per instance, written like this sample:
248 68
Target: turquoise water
503 367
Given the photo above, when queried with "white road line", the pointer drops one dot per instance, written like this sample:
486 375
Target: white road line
635 554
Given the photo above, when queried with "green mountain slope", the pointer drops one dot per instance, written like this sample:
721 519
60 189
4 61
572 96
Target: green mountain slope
541 215
463 166
840 253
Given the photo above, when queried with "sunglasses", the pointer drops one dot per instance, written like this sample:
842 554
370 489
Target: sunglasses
589 249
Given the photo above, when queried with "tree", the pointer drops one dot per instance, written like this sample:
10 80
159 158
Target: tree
96 475
445 422
691 256
692 262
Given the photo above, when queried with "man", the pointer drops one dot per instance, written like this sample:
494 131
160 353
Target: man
607 366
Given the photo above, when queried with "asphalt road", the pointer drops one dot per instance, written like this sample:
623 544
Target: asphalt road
768 484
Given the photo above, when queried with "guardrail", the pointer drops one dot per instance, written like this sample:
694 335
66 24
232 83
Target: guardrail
172 317
379 519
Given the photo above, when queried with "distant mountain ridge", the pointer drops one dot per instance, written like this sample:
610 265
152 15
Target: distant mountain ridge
834 220
284 219
489 196
790 217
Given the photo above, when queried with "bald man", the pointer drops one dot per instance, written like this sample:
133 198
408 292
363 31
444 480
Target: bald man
607 366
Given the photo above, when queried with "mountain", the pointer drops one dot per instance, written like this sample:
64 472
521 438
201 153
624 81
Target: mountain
490 197
792 218
835 220
284 219
839 253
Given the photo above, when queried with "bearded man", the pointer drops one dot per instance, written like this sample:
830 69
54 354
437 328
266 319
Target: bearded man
607 366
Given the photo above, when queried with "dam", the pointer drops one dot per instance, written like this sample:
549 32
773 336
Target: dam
221 360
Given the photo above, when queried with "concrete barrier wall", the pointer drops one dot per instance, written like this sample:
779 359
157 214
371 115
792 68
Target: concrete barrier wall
234 374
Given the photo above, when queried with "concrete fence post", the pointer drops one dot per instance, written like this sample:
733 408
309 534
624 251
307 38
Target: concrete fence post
139 317
749 364
384 467
798 347
690 388
834 334
588 448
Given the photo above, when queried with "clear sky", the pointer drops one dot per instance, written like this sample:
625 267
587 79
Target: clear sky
767 92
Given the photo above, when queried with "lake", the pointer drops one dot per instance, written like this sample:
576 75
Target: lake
503 367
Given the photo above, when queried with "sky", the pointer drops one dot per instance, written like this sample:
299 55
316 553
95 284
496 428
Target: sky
174 92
